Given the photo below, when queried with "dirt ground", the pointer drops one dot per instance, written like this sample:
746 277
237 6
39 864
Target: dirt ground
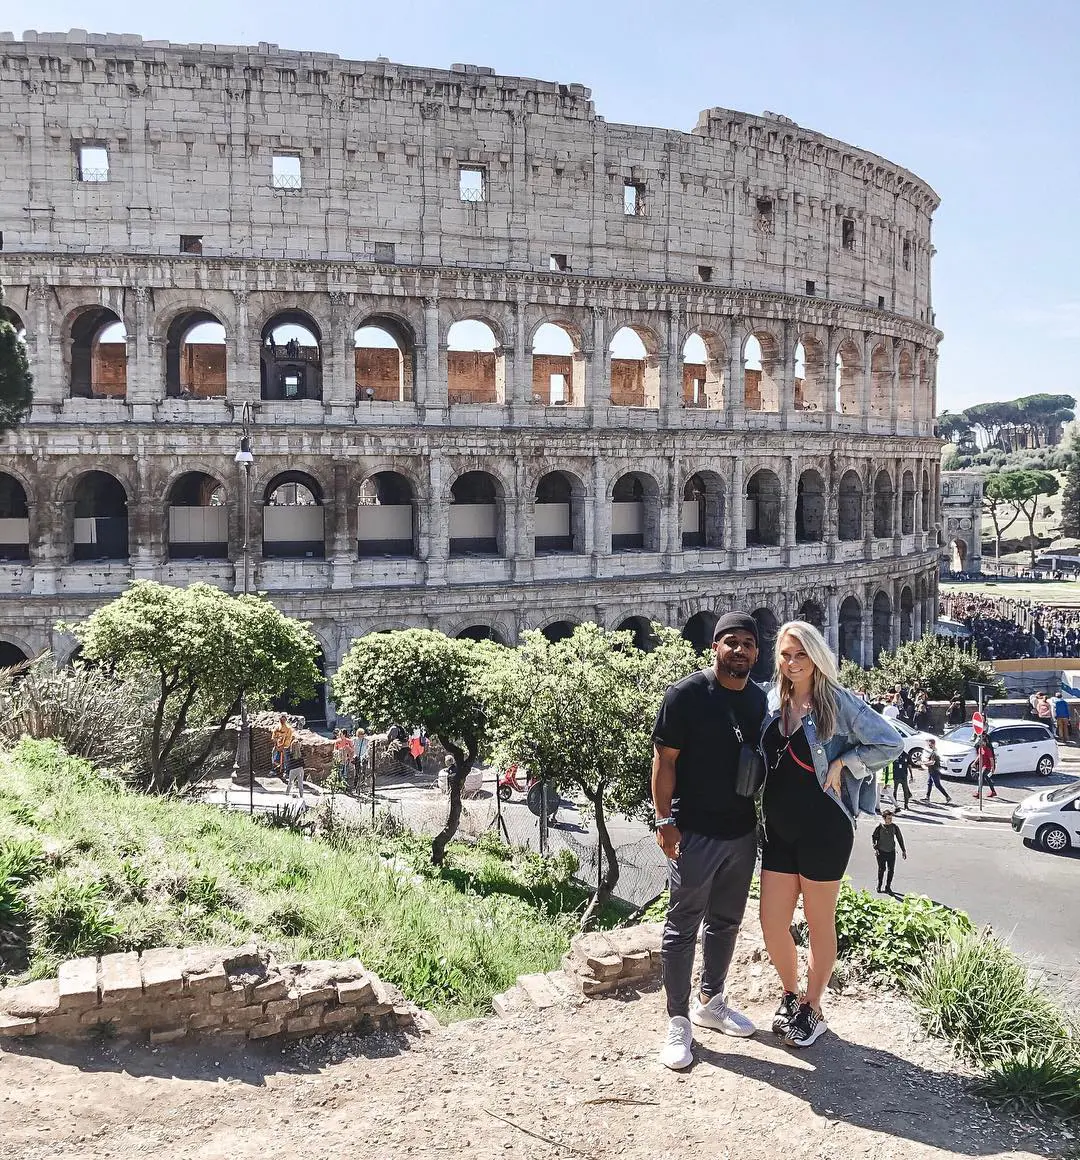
564 1084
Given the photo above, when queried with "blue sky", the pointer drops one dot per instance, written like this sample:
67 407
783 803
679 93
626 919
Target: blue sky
979 99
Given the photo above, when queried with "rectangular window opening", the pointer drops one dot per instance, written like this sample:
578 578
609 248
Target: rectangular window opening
881 302
907 254
472 184
285 171
848 234
384 252
557 387
633 199
191 243
292 386
704 273
93 163
811 288
558 264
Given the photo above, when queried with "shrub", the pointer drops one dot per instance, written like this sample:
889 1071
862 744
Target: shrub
69 919
942 667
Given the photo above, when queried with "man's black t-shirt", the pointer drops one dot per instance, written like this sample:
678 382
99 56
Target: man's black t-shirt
694 719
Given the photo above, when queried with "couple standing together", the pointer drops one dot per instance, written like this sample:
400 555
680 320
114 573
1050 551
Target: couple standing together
821 747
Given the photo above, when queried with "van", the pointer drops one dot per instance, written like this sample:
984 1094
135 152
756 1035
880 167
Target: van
1050 818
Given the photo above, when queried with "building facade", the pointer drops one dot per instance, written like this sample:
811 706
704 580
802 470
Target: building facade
961 521
503 365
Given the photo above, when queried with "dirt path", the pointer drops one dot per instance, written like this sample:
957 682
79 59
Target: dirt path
587 1079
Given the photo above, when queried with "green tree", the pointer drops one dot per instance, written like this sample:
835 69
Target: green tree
941 666
1070 499
421 677
16 381
1000 495
1042 415
996 421
580 712
202 648
955 428
1035 485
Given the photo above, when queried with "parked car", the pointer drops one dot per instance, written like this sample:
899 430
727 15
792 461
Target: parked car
914 741
1019 747
1050 818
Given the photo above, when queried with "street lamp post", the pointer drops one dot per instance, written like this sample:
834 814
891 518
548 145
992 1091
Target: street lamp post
244 460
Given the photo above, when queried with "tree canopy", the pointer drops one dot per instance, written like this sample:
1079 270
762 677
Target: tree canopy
1017 492
1030 421
202 647
941 666
16 381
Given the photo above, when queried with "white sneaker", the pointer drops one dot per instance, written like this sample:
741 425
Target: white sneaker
720 1017
676 1052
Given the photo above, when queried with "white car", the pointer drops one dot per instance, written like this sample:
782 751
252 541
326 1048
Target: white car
914 741
1050 818
1019 747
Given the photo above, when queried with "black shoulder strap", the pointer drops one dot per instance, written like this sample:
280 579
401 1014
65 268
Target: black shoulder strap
734 723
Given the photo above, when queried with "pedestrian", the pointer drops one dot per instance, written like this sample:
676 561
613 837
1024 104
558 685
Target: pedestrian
903 703
707 728
1044 711
822 749
342 756
294 778
281 740
885 838
890 710
417 745
450 766
956 714
1062 716
931 762
987 764
901 769
921 716
361 746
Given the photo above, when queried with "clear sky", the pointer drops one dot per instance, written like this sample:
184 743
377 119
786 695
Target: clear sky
981 98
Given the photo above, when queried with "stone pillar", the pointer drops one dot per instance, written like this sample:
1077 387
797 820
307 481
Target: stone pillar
785 375
601 540
791 493
671 392
147 528
867 382
523 549
830 376
738 513
867 644
671 517
598 387
338 368
340 513
832 622
435 531
244 370
519 374
45 349
898 504
894 389
143 387
432 393
734 387
868 507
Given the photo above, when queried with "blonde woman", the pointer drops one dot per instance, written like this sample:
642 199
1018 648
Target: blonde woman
821 745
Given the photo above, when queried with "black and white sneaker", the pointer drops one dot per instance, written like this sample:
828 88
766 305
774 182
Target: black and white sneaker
785 1013
807 1027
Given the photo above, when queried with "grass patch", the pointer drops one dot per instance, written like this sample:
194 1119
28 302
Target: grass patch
128 871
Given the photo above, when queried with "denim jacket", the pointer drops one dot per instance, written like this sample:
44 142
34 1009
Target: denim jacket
863 740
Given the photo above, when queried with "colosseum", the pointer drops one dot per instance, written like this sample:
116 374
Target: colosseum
500 364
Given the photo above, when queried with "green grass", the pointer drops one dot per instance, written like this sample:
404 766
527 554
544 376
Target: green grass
104 868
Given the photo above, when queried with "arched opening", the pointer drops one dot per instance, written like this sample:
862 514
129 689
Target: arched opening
848 374
98 355
703 511
907 614
812 612
195 357
14 520
761 360
475 364
559 630
810 509
849 507
291 357
198 518
9 316
703 375
642 629
907 504
480 632
698 630
958 556
11 655
559 514
558 367
763 507
883 505
768 626
925 501
293 518
383 361
905 372
880 383
924 391
850 631
386 516
635 368
476 515
313 708
810 379
101 518
635 513
882 625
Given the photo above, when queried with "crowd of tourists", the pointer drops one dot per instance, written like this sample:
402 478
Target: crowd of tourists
1007 629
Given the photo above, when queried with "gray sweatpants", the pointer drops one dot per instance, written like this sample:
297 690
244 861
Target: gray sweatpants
708 883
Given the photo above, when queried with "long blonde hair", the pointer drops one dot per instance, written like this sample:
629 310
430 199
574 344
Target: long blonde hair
826 682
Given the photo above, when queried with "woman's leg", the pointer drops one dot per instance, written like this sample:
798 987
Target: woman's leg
819 906
779 893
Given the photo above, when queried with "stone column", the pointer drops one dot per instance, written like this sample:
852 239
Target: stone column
601 540
832 622
51 528
432 392
523 549
46 351
671 393
142 385
147 531
898 505
340 513
830 377
894 379
867 644
598 387
338 369
867 382
738 513
435 531
785 377
791 493
868 508
519 374
734 387
243 371
671 517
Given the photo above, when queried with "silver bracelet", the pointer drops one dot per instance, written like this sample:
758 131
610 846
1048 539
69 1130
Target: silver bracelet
661 822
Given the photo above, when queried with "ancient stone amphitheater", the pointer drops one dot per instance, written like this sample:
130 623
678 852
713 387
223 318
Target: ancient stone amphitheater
501 364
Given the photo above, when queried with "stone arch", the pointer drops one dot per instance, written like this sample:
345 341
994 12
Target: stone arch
704 358
907 614
293 517
13 319
958 554
635 513
849 630
558 364
477 514
812 612
811 386
883 504
698 630
197 518
850 506
880 382
882 624
384 359
100 512
475 362
559 513
558 629
195 355
14 518
764 508
810 508
703 511
635 367
761 366
290 356
476 631
907 504
12 654
387 517
96 354
848 365
768 626
641 627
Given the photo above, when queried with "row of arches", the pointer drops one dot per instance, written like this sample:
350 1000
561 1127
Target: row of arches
810 375
387 511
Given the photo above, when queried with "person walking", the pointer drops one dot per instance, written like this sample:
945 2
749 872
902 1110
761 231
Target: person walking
361 748
890 711
342 756
281 741
885 839
921 717
931 762
822 748
956 714
901 770
1044 711
987 760
417 747
707 831
1062 716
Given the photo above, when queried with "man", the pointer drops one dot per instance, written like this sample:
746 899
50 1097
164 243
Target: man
903 703
931 762
900 773
360 751
987 764
885 839
890 710
706 830
1061 716
281 739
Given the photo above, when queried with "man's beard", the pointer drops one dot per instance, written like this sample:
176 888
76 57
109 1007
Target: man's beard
736 666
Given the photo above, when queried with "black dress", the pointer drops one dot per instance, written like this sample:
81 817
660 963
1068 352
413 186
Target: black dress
805 831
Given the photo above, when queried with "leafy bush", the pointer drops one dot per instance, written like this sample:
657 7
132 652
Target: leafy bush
942 667
21 862
69 918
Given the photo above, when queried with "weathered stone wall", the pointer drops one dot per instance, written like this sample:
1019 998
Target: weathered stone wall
166 994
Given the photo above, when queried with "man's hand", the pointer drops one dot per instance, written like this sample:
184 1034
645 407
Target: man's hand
668 839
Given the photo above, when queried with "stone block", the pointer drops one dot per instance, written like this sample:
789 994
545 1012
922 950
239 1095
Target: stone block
227 1000
539 990
17 1027
204 1020
211 981
64 1025
244 1016
342 1017
357 991
77 983
162 972
265 1030
271 989
279 1008
31 999
592 988
168 1034
120 977
403 1017
306 1023
318 995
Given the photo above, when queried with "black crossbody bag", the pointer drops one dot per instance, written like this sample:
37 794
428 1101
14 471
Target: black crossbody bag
750 771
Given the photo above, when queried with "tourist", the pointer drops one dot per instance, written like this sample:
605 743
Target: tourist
361 746
417 748
987 763
956 714
294 778
920 718
885 839
931 762
706 829
281 739
1062 716
890 710
1044 711
901 769
343 755
822 747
